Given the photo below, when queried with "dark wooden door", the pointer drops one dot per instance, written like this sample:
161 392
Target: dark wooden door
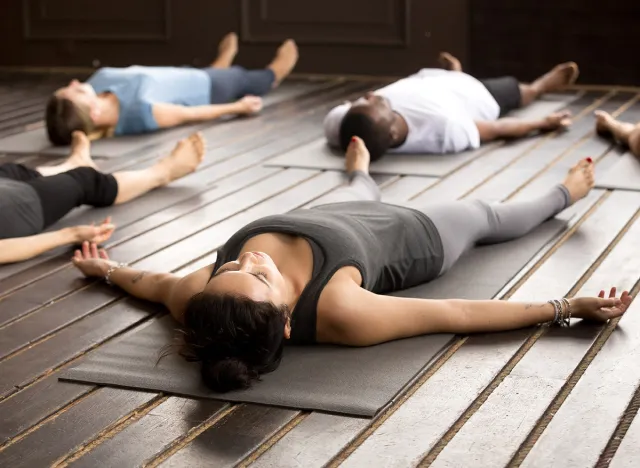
381 37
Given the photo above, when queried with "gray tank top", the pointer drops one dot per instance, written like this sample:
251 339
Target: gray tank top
393 247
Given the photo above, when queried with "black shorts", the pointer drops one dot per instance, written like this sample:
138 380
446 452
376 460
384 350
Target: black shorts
506 91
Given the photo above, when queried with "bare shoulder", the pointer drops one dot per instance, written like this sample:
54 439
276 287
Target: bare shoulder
335 302
185 288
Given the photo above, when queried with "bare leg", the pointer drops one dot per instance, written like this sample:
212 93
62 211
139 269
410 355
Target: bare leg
183 160
555 80
227 51
284 61
449 62
80 157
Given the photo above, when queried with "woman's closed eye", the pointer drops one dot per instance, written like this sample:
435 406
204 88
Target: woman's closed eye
262 277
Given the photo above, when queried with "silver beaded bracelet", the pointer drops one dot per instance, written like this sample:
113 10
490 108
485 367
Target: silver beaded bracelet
562 312
107 277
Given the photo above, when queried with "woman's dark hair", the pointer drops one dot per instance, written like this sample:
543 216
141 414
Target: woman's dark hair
63 117
235 338
376 137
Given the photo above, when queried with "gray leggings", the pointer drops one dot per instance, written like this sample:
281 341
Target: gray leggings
466 223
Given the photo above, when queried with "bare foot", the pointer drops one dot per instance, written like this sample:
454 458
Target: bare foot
449 62
80 152
285 61
227 51
357 157
580 179
604 123
559 77
608 126
184 159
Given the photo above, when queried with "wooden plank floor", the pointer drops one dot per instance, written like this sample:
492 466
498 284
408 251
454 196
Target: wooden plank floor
538 397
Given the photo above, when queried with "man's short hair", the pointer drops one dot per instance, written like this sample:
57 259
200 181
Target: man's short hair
376 136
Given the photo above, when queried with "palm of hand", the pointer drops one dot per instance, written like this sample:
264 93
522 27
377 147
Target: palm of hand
92 261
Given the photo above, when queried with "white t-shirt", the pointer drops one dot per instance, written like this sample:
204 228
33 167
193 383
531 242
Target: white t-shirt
440 108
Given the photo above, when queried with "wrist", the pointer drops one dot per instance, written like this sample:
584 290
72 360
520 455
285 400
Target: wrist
71 235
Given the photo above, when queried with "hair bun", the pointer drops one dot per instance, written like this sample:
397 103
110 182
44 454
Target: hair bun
227 374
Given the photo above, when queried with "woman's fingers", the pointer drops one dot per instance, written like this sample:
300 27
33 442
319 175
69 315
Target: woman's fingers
601 293
612 293
103 254
86 252
94 250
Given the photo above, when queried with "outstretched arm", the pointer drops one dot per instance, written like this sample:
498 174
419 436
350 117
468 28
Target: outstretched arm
23 248
172 115
163 288
511 127
361 318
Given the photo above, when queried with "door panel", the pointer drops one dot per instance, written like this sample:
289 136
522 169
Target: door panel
124 20
376 37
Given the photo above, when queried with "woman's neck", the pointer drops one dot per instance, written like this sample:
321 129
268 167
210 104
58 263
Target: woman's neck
109 108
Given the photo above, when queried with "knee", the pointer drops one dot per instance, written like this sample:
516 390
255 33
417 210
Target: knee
98 189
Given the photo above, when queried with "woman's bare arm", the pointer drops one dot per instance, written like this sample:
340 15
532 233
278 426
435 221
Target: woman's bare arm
163 288
172 115
23 248
354 316
171 290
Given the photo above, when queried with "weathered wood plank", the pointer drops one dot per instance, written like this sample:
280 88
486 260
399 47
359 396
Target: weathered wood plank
628 453
312 442
442 399
79 425
596 402
232 439
150 435
23 368
33 404
542 371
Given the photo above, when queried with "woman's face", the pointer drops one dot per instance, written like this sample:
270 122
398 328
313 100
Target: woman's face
253 275
81 94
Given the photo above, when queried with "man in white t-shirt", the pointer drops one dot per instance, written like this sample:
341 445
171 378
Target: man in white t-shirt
441 111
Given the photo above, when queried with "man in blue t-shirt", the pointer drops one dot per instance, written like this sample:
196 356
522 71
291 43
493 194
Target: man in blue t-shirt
137 99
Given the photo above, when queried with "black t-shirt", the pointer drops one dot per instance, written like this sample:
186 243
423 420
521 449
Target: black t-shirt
393 247
20 210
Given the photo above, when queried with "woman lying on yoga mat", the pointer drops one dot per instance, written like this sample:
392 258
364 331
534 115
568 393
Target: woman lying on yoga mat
626 133
31 200
319 276
135 100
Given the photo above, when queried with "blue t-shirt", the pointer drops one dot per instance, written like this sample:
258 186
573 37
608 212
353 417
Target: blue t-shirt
138 88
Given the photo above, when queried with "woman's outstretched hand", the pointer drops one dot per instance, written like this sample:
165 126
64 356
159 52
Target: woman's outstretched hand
92 261
600 309
92 233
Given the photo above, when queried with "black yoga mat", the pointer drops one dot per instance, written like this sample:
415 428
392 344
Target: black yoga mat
317 155
353 381
624 175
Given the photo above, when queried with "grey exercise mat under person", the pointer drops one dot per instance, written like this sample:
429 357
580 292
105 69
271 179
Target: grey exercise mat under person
36 141
353 381
624 175
317 155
